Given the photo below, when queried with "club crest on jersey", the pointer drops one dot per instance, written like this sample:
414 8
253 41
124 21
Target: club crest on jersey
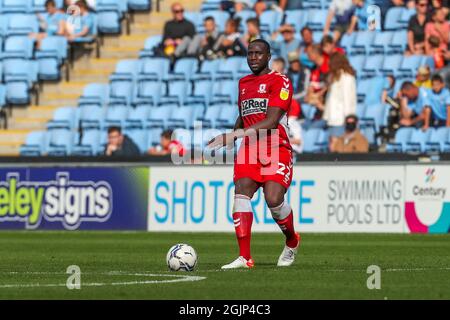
284 94
252 106
262 88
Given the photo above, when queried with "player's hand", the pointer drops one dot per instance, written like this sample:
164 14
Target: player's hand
221 141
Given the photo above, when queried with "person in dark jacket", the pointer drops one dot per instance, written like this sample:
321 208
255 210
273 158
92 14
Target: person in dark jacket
119 144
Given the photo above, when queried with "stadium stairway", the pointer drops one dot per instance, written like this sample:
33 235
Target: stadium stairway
86 69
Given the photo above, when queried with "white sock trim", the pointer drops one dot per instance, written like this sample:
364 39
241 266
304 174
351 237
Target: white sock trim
281 212
242 203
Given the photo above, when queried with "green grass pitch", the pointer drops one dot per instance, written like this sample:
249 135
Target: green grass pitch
116 265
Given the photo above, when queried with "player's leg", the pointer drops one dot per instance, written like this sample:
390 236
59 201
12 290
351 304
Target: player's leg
243 219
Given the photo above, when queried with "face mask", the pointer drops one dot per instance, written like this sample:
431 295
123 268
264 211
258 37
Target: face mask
350 126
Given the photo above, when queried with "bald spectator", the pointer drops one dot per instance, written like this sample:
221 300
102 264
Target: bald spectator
176 31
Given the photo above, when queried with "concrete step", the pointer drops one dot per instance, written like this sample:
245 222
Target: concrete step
101 64
131 52
60 99
10 135
9 148
37 112
27 123
134 40
71 87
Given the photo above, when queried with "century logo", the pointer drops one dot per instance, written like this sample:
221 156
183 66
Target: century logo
63 200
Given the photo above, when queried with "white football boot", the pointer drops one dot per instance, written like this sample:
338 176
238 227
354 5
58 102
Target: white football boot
287 257
239 263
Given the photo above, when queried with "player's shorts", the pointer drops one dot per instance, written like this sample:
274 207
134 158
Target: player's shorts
276 166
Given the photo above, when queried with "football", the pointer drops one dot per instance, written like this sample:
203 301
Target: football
181 257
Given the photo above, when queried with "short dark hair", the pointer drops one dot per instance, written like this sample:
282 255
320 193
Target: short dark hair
167 134
306 29
279 59
254 21
327 39
208 18
114 129
437 77
407 85
264 42
50 3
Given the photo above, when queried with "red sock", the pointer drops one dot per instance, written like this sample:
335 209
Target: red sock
243 227
287 226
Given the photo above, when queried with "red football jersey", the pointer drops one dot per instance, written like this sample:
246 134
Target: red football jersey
257 93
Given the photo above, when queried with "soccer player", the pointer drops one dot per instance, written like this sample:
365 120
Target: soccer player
265 156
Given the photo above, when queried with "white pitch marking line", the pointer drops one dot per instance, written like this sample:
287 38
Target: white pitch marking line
180 278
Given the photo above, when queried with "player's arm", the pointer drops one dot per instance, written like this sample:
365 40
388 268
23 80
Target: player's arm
271 121
239 124
447 123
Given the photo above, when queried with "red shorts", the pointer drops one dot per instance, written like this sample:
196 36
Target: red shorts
277 166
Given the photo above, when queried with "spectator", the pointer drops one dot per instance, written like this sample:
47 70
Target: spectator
168 145
253 31
322 67
352 141
295 129
176 31
72 30
202 45
328 46
51 24
288 44
413 100
439 55
423 77
437 112
388 88
342 11
341 98
278 65
441 4
298 75
233 6
228 43
305 45
416 28
119 144
280 5
439 27
359 20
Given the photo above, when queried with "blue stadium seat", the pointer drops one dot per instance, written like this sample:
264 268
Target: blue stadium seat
409 66
159 116
357 63
182 117
18 47
402 137
270 21
148 92
391 63
399 42
207 70
115 116
418 140
109 21
360 110
374 91
220 17
372 120
50 56
202 92
63 118
184 136
89 144
227 117
155 69
13 6
225 91
60 142
372 65
406 14
362 42
381 42
316 19
347 41
314 140
90 117
34 145
438 140
126 69
95 93
228 68
21 24
136 117
19 75
244 15
297 18
212 113
183 69
150 45
154 136
140 5
392 18
177 92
